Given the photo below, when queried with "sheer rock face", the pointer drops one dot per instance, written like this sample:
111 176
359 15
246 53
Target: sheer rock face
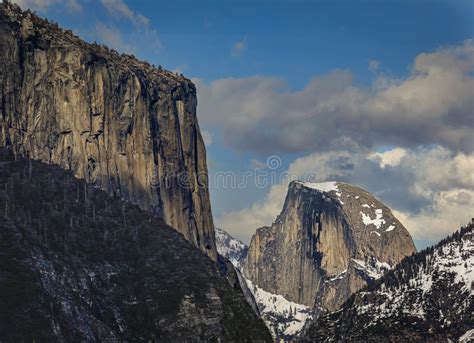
330 240
118 123
77 265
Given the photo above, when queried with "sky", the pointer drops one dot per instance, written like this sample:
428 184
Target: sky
375 93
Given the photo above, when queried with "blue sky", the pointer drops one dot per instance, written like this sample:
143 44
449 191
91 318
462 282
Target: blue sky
290 39
250 59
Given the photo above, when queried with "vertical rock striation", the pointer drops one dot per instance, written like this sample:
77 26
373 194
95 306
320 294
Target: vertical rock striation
330 240
118 123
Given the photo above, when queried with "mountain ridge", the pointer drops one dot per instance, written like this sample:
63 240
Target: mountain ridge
427 297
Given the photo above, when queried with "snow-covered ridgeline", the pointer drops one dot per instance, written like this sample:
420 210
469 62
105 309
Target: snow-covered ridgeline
324 187
452 262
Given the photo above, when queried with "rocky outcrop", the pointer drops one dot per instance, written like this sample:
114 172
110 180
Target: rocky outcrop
330 240
77 265
284 319
428 297
120 124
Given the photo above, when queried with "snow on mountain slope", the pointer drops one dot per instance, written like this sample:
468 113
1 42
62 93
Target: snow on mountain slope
427 297
284 318
372 268
229 247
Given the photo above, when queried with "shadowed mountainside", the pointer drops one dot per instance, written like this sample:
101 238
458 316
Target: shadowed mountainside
79 265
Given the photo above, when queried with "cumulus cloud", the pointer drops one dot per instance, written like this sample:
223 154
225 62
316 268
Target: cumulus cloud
388 158
243 223
431 190
447 212
432 105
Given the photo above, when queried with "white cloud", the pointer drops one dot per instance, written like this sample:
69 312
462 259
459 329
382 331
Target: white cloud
389 157
238 48
448 211
431 190
432 105
242 224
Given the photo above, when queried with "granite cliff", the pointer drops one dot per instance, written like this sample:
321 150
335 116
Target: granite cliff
330 240
120 124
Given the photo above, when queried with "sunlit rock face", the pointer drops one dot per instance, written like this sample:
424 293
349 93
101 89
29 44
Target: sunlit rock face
120 124
330 240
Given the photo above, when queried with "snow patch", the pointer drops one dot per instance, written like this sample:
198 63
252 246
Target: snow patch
325 187
322 186
377 221
278 313
390 228
373 268
337 277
